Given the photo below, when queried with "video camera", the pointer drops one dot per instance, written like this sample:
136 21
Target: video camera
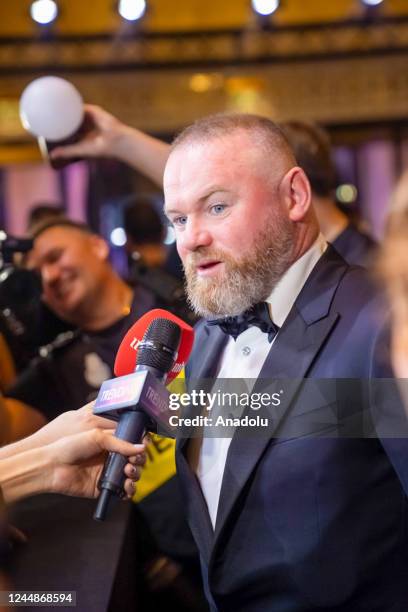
9 245
25 322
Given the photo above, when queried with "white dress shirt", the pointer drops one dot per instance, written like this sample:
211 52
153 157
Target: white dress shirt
243 358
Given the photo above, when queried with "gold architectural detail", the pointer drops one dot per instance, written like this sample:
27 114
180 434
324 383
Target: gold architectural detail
342 73
250 45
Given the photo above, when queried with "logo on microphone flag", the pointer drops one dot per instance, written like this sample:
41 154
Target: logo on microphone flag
119 392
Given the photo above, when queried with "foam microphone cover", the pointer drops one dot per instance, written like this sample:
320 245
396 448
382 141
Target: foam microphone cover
127 354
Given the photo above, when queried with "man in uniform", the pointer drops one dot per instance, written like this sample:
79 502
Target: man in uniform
81 287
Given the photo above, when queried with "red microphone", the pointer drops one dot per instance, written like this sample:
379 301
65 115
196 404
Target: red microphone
152 353
127 353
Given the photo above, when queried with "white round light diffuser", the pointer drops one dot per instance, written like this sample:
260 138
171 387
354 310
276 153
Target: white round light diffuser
52 108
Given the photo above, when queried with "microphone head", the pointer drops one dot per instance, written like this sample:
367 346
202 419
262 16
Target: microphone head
159 346
129 348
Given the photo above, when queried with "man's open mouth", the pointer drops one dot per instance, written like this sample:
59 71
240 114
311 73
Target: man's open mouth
207 266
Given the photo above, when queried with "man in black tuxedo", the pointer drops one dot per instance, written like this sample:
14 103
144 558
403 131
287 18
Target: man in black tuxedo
310 516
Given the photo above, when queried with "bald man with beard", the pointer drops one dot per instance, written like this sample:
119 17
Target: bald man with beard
303 517
307 515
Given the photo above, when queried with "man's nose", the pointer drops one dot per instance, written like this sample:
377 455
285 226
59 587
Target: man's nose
194 236
49 274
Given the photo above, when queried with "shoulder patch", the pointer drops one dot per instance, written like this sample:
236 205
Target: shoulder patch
61 341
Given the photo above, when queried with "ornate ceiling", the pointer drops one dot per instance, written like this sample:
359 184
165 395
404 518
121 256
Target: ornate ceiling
324 60
100 16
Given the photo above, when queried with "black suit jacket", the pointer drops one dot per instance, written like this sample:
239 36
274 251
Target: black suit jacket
355 246
313 515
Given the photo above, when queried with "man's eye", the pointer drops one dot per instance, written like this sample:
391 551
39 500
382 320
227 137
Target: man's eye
217 209
179 221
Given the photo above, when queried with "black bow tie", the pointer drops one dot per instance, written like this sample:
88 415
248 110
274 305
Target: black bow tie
257 315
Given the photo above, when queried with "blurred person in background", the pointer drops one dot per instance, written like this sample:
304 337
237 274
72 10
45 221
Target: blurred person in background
149 258
80 286
145 232
19 308
49 324
311 145
26 322
41 212
392 268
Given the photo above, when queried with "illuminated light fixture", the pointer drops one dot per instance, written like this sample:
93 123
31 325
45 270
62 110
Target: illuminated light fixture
132 10
202 82
118 237
265 7
44 11
372 2
346 193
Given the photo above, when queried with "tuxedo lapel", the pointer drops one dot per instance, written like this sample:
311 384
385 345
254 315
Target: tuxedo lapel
197 510
293 353
206 358
202 368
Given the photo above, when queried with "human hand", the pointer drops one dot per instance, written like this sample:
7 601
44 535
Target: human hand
66 424
109 137
100 141
76 462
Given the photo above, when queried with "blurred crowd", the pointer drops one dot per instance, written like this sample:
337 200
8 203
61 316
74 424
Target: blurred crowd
64 310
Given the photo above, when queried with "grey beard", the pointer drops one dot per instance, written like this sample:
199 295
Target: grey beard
246 281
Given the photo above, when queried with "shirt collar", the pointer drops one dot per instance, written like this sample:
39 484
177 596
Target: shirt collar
288 288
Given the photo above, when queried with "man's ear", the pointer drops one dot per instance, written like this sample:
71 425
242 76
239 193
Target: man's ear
295 191
100 247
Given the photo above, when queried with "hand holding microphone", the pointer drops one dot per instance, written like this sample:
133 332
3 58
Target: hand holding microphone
139 401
